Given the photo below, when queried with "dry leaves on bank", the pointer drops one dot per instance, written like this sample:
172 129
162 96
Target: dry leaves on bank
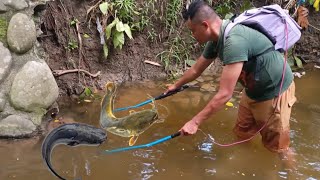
303 17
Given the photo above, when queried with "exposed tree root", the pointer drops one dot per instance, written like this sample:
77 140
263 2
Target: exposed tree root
62 72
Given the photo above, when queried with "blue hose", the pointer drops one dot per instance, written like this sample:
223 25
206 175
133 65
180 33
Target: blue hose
156 98
144 145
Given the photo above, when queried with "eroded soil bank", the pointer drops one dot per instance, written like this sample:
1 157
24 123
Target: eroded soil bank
126 65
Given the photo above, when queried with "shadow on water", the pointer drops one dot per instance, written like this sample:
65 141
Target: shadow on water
187 158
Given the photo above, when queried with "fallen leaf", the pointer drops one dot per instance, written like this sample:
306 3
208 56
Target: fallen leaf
316 5
303 17
229 104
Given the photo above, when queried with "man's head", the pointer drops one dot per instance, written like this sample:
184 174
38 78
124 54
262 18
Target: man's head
203 22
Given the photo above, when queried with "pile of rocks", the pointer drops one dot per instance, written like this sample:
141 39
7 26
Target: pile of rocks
27 86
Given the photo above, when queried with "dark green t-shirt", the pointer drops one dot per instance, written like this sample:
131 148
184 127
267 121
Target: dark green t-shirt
261 76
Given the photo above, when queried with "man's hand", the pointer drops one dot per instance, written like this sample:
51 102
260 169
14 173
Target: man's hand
171 87
191 127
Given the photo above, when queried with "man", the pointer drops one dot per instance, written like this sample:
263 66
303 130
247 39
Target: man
246 56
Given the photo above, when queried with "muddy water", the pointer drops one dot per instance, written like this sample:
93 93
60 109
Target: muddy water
187 158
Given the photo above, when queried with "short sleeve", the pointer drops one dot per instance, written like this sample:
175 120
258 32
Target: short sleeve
235 50
210 50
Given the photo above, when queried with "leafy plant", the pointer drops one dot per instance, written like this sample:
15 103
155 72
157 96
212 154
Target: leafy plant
172 15
88 95
72 45
125 9
116 29
246 5
294 61
178 52
225 7
3 28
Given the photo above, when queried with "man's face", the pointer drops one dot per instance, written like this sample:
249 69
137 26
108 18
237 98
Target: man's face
199 31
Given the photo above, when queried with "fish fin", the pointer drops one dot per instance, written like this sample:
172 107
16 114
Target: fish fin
133 140
132 111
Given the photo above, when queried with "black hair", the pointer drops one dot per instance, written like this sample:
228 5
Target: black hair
192 9
199 10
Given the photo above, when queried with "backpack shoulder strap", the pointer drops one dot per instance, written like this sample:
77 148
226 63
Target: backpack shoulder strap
230 25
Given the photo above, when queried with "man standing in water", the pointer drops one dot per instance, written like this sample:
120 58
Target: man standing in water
243 49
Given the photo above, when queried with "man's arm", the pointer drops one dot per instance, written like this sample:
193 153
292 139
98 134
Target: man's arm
229 77
195 71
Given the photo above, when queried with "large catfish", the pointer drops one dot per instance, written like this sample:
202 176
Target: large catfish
128 126
72 135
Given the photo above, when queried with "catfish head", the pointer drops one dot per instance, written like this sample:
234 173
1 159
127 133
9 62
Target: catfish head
71 135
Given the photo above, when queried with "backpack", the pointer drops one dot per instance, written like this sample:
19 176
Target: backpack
273 22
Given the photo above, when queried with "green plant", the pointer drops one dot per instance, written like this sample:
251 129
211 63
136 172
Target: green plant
172 15
88 95
178 52
126 9
246 5
72 45
152 36
225 7
293 60
116 28
3 29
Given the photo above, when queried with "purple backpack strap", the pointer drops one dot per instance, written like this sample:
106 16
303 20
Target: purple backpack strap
230 25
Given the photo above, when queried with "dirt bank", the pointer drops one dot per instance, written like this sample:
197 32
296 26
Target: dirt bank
122 65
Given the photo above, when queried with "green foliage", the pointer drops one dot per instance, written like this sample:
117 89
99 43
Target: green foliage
172 15
72 45
146 12
116 29
245 6
3 29
123 17
178 52
126 10
294 61
225 7
88 95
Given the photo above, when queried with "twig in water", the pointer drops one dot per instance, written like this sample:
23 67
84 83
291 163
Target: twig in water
62 72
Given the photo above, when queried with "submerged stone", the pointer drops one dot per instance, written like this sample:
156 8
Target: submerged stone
16 126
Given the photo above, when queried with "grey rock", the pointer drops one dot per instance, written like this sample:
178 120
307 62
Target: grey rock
34 87
21 33
16 126
5 61
2 102
3 8
16 4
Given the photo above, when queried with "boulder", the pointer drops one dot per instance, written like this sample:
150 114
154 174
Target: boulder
16 126
5 61
34 87
21 33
